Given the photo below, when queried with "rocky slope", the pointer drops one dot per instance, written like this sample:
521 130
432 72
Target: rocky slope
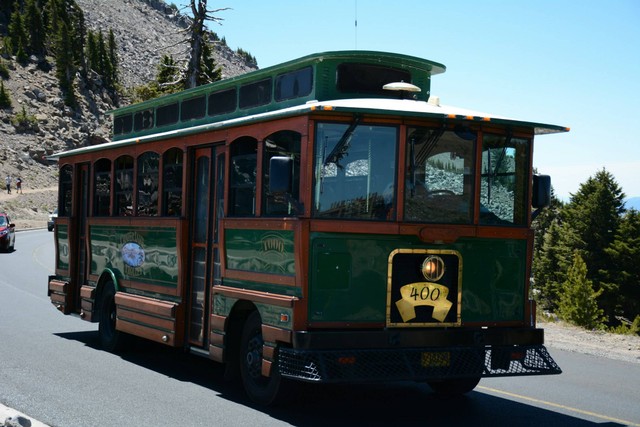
145 30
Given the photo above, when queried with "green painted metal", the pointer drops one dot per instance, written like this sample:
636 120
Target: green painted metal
142 254
260 251
348 277
62 232
324 85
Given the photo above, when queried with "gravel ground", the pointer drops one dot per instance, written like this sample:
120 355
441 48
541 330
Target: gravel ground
598 343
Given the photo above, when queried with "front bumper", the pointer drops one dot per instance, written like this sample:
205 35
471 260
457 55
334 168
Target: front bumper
415 355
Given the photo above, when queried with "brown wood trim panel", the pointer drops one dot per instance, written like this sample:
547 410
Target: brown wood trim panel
218 323
163 337
273 334
145 304
60 294
277 279
148 318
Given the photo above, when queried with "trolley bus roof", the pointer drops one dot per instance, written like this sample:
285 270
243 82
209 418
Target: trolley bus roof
387 107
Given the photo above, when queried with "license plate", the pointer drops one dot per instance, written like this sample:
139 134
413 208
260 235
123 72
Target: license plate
436 360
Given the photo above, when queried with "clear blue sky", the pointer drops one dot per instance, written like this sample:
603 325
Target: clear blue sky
573 63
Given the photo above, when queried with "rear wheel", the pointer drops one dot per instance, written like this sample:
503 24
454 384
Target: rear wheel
110 339
260 389
454 386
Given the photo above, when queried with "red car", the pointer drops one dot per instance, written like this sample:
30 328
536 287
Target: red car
7 233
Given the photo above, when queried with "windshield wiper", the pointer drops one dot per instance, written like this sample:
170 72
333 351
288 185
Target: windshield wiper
342 147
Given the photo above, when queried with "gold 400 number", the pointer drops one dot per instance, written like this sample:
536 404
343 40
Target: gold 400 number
425 294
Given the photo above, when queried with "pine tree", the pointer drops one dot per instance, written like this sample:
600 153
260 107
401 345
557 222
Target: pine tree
624 256
590 222
5 99
113 60
578 300
35 27
209 71
18 35
65 69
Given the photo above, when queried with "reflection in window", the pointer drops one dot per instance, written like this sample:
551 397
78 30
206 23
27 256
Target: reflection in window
66 190
193 108
102 188
223 102
503 192
143 120
123 186
122 124
439 179
286 144
147 203
355 169
167 114
294 84
254 94
172 182
242 177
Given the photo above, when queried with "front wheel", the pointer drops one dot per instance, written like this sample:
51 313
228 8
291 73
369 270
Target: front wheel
260 389
110 338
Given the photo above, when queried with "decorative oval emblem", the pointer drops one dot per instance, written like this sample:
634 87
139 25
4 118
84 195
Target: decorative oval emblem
132 254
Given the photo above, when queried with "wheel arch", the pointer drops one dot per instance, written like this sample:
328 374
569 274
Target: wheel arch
107 275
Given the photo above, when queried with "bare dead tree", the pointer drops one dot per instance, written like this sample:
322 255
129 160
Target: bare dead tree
197 33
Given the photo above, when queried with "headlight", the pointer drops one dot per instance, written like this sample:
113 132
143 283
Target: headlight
432 268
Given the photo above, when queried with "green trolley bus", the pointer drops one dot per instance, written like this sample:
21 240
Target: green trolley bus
322 220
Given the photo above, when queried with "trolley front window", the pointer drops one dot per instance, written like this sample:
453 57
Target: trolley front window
439 178
505 178
355 169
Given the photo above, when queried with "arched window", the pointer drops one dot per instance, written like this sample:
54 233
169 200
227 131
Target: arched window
123 186
285 144
172 183
66 190
102 188
242 177
147 203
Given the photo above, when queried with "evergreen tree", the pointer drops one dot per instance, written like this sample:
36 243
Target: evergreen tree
5 99
590 222
624 256
93 55
35 28
113 60
578 300
18 35
65 69
209 71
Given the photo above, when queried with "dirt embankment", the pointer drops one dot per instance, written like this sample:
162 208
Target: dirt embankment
30 208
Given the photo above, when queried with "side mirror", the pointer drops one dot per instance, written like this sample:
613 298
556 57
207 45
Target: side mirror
280 169
541 191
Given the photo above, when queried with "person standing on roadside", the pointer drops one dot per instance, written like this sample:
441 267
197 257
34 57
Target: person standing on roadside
19 185
7 181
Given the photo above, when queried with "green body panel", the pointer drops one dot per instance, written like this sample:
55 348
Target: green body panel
280 317
348 277
62 232
260 251
142 254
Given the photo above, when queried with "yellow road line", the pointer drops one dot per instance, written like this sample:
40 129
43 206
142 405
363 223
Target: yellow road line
557 405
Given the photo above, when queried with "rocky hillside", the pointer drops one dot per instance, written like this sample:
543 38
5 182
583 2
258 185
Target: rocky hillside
145 30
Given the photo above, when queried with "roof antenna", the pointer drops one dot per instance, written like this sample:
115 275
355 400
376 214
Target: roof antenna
356 27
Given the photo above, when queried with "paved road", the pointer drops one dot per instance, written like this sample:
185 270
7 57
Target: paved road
52 370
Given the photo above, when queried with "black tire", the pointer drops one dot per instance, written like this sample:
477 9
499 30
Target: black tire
110 339
454 387
262 390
